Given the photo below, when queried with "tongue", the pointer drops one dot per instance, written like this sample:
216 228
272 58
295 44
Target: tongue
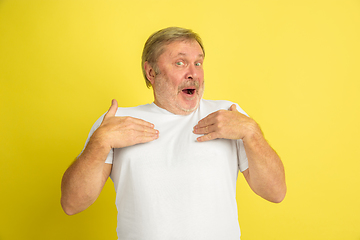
188 91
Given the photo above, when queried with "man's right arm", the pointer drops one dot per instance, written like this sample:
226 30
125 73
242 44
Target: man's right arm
84 179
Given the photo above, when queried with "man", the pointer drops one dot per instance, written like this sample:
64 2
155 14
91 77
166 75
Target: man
174 163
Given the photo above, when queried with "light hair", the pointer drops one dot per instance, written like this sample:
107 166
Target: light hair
155 46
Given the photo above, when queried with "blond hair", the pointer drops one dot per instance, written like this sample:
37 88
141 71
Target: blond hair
155 45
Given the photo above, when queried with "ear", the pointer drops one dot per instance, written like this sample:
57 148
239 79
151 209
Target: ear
150 72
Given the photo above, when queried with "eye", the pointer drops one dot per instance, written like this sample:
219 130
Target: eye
198 64
180 63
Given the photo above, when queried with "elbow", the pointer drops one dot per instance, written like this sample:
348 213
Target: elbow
274 194
69 212
279 196
67 208
278 199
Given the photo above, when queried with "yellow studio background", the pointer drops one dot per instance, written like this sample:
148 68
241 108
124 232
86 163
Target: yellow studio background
291 65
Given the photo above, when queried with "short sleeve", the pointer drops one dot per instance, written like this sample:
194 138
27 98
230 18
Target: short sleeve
242 158
109 158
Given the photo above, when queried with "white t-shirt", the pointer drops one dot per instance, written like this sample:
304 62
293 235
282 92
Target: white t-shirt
175 187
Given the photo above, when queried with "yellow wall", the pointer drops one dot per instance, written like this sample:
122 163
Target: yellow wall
292 65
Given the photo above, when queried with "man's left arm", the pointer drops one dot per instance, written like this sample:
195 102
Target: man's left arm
265 175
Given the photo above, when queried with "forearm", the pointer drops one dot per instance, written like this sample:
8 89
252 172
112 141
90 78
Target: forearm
84 179
266 174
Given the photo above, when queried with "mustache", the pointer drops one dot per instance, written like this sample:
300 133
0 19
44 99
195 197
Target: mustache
190 83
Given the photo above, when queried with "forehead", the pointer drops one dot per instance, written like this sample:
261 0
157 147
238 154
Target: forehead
190 48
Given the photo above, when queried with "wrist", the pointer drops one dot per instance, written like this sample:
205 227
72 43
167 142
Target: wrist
98 142
254 133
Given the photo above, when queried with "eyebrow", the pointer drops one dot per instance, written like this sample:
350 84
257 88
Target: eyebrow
184 54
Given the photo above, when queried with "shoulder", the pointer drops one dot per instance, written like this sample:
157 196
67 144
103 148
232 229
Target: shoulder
131 111
126 111
215 105
138 111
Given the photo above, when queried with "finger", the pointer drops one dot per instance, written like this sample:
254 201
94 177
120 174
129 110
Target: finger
143 129
206 121
146 133
135 124
136 137
146 136
233 108
153 133
112 110
205 130
207 137
141 122
132 123
131 135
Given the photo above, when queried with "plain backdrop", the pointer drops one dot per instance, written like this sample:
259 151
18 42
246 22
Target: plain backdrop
291 65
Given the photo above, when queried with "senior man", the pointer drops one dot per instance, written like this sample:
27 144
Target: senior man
174 162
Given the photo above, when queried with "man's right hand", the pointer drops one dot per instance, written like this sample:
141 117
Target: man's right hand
84 179
119 132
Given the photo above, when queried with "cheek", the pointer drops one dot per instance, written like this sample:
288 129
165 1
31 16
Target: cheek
175 80
201 74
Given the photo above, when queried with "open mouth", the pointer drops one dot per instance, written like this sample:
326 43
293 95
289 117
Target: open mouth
189 91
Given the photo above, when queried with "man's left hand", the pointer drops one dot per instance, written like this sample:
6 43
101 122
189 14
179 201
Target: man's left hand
228 124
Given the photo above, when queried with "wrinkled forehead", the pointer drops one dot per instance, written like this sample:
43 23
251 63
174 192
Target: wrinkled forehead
178 47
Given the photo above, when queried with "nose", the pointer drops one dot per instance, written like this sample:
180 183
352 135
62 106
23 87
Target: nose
192 72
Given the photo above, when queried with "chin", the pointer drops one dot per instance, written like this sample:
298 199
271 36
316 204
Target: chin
188 109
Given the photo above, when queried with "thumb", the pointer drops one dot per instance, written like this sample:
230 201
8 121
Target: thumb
112 110
233 108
